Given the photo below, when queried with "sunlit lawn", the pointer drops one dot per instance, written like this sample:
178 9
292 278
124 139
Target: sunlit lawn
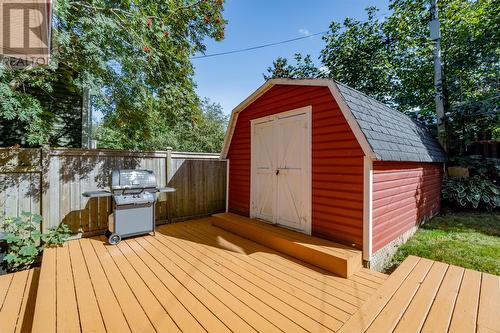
470 240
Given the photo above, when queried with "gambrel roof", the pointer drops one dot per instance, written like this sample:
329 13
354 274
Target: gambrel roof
384 133
392 135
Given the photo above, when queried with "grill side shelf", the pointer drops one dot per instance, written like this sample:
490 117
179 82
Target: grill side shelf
96 194
166 189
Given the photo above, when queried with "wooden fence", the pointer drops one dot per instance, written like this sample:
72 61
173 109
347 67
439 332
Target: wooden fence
487 148
50 182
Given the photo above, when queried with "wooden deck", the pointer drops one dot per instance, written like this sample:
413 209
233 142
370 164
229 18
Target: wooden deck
333 257
429 296
191 277
17 300
195 277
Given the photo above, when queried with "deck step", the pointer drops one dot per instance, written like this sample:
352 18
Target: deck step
333 257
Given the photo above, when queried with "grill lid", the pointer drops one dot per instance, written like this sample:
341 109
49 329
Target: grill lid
132 179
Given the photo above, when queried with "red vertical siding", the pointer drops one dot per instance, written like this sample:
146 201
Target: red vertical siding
337 161
404 194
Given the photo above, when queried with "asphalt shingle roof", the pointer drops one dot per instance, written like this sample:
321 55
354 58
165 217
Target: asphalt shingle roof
392 135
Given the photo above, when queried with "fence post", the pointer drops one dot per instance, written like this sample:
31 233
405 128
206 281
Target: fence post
168 175
44 186
168 164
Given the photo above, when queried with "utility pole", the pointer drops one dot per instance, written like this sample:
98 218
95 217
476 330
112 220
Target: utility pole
435 34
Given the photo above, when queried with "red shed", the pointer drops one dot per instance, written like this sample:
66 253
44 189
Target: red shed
322 158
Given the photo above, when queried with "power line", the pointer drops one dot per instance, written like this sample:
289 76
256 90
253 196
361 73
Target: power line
382 15
259 46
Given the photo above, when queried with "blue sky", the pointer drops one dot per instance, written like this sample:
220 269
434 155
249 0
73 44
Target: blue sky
229 79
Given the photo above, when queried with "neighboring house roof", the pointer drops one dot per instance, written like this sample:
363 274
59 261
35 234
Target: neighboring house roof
384 134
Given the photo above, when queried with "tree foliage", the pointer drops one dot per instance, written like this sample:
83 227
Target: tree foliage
133 55
470 51
206 134
146 131
472 121
357 53
304 67
391 59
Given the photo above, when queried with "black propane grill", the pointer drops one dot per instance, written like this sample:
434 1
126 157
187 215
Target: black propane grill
134 195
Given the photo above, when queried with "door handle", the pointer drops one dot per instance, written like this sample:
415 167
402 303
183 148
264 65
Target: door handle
277 172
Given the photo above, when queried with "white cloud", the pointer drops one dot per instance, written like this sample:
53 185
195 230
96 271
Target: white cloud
324 70
304 32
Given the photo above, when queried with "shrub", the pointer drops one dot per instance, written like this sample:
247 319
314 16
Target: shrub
25 241
471 192
486 167
495 135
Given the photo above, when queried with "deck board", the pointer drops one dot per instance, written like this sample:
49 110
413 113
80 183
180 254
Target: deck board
131 308
368 312
46 309
414 316
183 319
25 318
66 306
4 287
157 314
465 314
218 303
13 300
191 277
439 317
195 277
444 298
88 309
17 294
226 286
389 317
112 313
488 317
296 308
338 307
291 266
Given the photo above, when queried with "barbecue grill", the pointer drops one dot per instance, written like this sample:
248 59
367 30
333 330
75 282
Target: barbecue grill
134 195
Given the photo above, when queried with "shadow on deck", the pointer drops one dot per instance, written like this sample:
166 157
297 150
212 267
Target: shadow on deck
17 300
195 277
192 277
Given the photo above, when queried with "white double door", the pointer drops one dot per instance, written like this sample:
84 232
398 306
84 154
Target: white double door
281 169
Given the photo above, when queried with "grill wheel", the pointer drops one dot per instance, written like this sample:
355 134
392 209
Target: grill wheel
114 239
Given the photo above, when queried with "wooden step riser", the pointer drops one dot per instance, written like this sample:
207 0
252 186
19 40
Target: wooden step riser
328 262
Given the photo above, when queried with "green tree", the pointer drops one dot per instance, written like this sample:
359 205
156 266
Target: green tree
470 52
133 55
303 68
206 134
357 54
144 131
470 44
391 59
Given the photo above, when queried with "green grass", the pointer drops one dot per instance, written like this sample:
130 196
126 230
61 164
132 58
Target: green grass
470 240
